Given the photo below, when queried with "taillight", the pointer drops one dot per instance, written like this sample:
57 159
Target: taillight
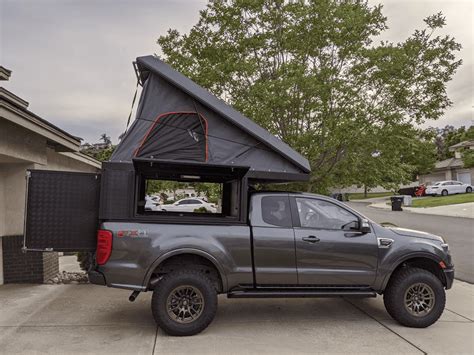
104 246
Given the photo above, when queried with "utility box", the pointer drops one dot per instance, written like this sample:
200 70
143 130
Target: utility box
407 200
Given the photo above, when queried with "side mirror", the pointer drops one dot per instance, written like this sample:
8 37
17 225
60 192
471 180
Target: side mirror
364 226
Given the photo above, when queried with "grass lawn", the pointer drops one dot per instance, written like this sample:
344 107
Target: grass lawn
360 196
443 200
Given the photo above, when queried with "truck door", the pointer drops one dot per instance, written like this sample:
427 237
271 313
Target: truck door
328 250
61 212
273 240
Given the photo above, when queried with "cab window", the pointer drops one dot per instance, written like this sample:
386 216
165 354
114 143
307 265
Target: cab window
321 214
276 211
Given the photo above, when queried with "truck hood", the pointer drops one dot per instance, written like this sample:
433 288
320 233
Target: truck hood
416 234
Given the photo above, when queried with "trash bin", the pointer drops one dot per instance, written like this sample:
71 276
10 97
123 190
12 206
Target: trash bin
396 203
337 196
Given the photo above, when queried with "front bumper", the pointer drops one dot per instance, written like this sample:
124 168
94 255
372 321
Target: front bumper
449 275
96 278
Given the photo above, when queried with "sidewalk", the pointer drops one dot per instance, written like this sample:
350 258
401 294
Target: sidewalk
64 319
465 210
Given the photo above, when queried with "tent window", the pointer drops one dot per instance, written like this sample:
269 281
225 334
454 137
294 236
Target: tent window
176 136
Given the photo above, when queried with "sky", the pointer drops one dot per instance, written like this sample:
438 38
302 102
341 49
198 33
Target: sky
72 59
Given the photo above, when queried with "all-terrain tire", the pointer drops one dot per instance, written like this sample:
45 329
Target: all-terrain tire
469 190
444 193
171 282
394 297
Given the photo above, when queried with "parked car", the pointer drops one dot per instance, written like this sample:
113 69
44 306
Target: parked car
449 187
189 205
152 203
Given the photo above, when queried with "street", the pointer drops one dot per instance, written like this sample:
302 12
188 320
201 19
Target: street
458 232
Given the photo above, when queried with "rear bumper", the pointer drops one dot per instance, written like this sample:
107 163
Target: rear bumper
96 278
449 274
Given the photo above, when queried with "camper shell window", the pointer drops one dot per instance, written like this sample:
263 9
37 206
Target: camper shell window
188 190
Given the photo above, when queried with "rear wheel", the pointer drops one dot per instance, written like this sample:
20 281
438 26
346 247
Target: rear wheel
415 297
184 302
469 189
444 193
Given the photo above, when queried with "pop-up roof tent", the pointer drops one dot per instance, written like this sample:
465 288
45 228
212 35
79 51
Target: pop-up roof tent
179 121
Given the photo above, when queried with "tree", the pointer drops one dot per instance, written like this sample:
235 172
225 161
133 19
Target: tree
468 158
448 136
311 73
105 138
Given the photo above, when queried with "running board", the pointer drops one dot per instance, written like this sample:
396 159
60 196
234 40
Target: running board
265 293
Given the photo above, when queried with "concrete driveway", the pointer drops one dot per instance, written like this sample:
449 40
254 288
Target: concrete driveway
64 319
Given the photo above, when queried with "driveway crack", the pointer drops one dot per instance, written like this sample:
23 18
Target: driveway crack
386 327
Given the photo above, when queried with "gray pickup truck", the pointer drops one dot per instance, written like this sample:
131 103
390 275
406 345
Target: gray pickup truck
294 245
255 244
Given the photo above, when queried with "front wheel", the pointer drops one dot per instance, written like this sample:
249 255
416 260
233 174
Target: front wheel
415 297
184 302
444 193
469 190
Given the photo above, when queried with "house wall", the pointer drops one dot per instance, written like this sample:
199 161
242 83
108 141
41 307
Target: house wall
451 174
435 176
2 222
21 149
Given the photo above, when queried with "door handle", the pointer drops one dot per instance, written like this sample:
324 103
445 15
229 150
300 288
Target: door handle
311 239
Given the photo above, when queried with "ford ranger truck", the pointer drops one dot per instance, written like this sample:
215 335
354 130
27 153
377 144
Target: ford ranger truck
294 245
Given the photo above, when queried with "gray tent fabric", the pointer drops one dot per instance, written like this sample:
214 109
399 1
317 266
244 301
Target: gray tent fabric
176 136
230 138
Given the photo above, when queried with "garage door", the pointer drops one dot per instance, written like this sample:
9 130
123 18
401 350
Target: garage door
464 177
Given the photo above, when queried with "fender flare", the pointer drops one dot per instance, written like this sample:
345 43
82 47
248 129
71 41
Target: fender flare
194 251
404 258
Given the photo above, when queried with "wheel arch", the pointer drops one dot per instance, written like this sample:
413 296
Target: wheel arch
424 261
183 252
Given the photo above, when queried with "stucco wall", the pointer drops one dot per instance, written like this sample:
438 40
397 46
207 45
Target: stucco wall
2 222
14 197
433 177
19 143
2 203
58 161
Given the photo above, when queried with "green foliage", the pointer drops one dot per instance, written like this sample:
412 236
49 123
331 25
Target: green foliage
361 196
443 201
102 154
310 73
468 158
201 210
448 136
